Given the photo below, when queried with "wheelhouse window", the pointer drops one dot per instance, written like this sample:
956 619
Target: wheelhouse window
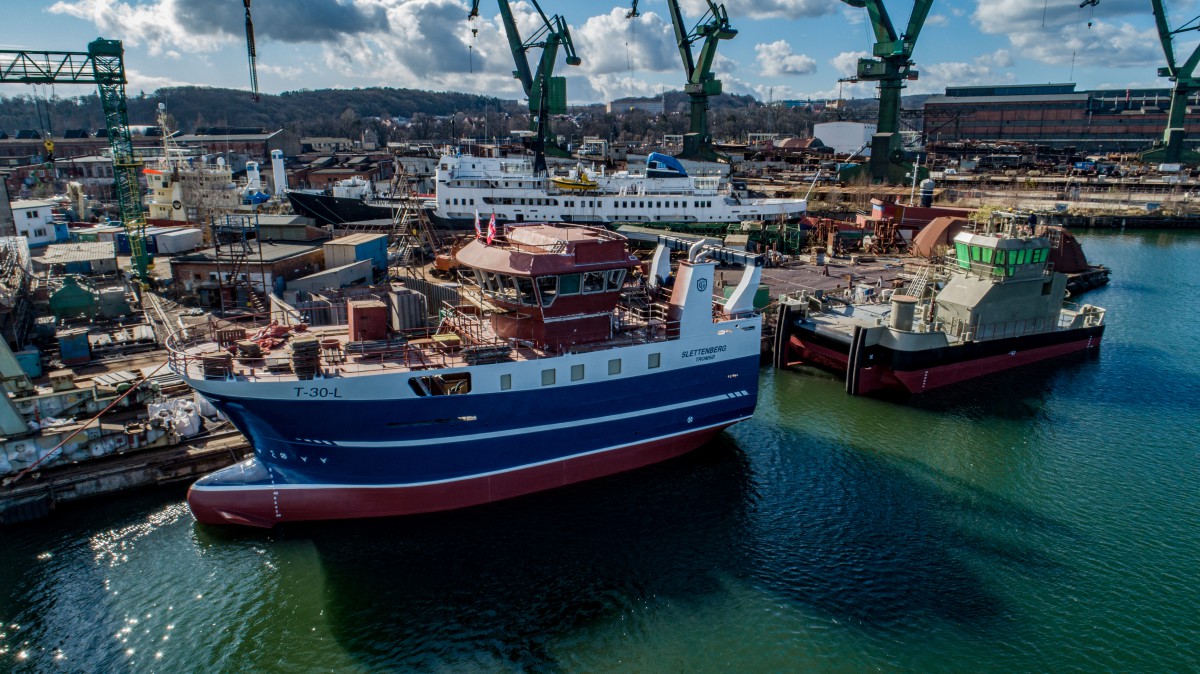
615 278
547 287
568 284
594 282
524 286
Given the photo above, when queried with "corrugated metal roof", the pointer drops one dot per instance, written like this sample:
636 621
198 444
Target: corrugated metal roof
64 253
356 239
271 252
30 203
1040 98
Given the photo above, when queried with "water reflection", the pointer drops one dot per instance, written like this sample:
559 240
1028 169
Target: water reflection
495 587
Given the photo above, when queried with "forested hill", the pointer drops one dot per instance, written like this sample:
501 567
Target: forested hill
307 112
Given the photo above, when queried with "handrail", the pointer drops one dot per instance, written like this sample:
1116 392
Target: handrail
407 353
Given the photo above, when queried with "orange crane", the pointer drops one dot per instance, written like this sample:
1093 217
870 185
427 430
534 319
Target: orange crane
250 51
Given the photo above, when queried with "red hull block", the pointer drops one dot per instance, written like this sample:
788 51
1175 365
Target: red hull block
918 381
262 506
880 378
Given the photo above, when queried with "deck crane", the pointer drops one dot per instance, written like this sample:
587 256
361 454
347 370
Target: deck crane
701 84
103 64
1170 149
251 54
891 67
547 94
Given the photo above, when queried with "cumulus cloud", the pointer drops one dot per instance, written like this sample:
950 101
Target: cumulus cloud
1104 45
164 26
1001 58
141 82
154 25
1033 16
935 77
608 87
766 9
611 43
937 20
776 59
846 63
1057 32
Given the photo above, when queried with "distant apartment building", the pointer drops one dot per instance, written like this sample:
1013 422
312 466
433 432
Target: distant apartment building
651 106
1056 115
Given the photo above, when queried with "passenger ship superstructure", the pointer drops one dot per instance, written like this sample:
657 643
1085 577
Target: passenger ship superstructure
662 192
565 369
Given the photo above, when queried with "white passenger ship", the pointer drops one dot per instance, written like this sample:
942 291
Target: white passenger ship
662 192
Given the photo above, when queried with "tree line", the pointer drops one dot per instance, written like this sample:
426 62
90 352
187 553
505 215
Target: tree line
410 115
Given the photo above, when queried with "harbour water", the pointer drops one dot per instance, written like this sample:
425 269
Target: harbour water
1042 520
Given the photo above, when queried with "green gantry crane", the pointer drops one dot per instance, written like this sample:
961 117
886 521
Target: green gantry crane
103 64
547 94
1170 149
713 26
701 83
891 67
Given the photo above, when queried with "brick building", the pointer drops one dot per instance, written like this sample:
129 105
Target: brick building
260 264
1056 115
255 143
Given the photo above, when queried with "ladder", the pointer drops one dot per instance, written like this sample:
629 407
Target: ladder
916 288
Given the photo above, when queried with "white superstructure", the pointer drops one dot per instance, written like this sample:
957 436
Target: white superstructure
509 188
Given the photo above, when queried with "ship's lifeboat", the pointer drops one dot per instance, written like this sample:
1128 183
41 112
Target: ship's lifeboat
573 182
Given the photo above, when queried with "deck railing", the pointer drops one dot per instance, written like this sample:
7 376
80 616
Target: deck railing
462 337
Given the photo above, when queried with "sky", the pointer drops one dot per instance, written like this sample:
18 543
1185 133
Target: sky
784 49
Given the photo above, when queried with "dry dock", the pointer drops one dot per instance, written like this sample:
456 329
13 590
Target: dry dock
35 495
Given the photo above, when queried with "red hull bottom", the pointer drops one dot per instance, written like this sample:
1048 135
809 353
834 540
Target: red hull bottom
265 505
919 381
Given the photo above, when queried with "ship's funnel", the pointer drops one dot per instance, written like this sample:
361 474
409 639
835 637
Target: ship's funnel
903 309
253 178
278 174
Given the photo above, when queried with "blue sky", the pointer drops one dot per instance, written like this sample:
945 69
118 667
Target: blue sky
784 48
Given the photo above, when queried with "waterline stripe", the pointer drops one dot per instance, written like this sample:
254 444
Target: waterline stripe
269 487
539 429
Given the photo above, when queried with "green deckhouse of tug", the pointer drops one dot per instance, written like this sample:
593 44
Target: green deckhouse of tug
993 298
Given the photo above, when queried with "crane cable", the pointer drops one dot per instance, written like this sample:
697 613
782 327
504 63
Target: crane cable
630 36
35 464
46 126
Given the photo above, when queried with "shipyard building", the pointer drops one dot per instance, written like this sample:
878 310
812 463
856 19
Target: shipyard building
1055 115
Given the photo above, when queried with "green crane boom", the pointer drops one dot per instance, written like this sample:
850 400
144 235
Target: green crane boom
1170 150
547 94
891 67
701 83
102 64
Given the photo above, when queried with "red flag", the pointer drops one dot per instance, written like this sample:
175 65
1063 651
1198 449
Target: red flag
491 228
478 232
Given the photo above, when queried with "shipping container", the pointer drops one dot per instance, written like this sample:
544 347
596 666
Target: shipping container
73 347
347 249
179 241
